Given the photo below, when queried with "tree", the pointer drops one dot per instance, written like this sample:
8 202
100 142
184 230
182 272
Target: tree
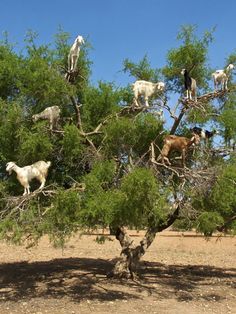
105 169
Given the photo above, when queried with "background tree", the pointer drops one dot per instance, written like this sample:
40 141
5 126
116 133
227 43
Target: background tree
105 171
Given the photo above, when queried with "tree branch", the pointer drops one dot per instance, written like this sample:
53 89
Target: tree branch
199 104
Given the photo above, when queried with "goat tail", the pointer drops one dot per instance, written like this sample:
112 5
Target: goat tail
49 163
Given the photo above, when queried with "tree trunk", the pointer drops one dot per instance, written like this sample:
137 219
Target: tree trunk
130 255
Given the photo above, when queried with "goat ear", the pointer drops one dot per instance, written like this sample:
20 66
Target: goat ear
8 170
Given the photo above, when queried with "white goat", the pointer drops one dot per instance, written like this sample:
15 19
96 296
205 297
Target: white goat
190 85
221 77
74 53
38 170
52 114
146 89
177 143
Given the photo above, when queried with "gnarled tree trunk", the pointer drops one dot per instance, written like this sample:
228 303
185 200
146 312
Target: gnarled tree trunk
130 255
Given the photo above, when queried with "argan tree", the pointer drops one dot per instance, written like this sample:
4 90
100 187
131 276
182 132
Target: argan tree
106 171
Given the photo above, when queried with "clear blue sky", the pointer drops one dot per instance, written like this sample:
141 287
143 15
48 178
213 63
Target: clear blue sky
119 29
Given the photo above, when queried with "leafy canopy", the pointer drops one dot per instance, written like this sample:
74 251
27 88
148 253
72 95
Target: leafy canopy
102 153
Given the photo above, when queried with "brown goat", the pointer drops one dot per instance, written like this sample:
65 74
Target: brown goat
177 143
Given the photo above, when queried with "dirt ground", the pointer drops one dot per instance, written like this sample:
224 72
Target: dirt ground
181 273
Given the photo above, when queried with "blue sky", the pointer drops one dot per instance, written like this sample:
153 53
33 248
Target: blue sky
119 29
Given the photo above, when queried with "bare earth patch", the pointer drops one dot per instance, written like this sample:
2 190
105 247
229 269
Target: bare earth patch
181 273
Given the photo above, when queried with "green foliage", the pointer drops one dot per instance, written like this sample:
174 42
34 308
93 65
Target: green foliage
107 146
228 120
183 224
34 145
120 136
11 118
71 144
61 219
100 102
104 172
197 116
208 222
100 178
134 201
41 84
141 70
26 225
99 201
147 128
62 47
100 208
223 197
125 134
9 72
10 230
142 197
191 55
219 204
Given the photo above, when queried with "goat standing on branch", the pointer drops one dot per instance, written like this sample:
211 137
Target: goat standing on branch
74 53
52 114
38 170
221 77
177 143
190 85
146 89
204 134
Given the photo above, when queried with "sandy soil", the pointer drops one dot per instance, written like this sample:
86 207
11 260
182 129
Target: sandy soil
181 273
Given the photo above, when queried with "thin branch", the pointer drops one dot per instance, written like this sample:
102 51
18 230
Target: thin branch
199 104
16 204
177 121
167 107
166 223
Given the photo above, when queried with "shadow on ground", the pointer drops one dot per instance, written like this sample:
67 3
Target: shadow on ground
85 278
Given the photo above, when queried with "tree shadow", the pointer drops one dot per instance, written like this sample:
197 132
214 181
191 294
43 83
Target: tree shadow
77 278
189 282
85 279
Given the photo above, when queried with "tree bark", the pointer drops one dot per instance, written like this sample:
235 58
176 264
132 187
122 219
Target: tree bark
177 121
130 255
